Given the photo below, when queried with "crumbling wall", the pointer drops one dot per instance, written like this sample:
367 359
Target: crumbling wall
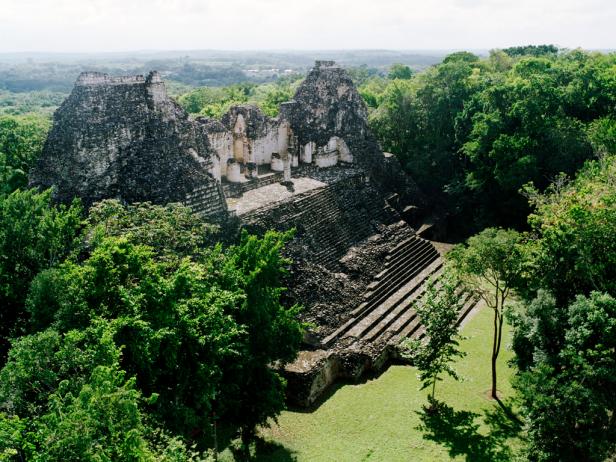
327 106
124 138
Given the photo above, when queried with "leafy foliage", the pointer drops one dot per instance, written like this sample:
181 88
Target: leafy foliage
438 312
532 50
65 398
171 321
472 132
575 222
21 141
173 231
399 71
564 336
256 391
491 263
201 334
34 235
215 101
573 369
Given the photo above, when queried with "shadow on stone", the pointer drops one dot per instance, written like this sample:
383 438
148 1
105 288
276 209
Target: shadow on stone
459 432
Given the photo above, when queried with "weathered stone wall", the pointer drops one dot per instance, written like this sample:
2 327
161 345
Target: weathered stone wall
124 138
327 105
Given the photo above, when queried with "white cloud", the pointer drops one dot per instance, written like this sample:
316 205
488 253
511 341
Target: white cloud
118 25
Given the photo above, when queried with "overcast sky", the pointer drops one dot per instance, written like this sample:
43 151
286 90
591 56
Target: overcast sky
127 25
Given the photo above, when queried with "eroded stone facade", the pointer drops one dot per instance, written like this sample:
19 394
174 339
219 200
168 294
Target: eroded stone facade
123 137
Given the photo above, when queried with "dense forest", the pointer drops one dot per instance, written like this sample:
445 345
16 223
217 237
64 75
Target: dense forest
143 333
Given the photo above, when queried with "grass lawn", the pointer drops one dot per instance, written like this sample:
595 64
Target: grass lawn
379 420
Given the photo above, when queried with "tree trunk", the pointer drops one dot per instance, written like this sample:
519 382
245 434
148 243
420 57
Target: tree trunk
495 352
247 437
433 387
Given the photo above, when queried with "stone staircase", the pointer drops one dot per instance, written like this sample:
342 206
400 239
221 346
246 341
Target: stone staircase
367 341
208 201
335 222
387 315
388 300
329 219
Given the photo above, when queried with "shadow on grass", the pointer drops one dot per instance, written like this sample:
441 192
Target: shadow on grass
459 432
265 451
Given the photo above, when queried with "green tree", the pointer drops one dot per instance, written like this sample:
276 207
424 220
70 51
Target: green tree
201 333
564 333
173 231
35 234
416 120
256 391
399 71
21 141
575 252
64 397
602 134
37 364
492 263
438 312
569 392
172 321
472 132
102 421
532 50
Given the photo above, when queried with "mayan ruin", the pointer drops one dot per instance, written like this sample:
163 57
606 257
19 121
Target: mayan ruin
327 231
359 263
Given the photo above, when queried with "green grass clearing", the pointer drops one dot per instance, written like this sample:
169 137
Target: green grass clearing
378 420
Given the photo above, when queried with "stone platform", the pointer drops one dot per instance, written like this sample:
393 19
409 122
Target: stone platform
272 194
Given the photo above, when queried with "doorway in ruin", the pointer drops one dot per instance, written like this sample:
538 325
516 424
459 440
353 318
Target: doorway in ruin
241 150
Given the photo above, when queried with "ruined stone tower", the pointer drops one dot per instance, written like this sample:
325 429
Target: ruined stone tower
124 138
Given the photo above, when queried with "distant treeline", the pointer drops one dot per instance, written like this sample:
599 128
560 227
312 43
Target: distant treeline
57 72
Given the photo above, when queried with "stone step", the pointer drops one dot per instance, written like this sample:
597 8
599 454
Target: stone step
434 271
468 307
400 252
410 329
400 247
402 297
388 273
409 252
406 271
411 270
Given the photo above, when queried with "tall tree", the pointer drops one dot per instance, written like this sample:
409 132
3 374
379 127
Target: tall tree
568 393
273 333
564 333
492 264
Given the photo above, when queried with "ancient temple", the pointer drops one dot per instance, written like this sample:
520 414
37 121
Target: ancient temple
359 265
